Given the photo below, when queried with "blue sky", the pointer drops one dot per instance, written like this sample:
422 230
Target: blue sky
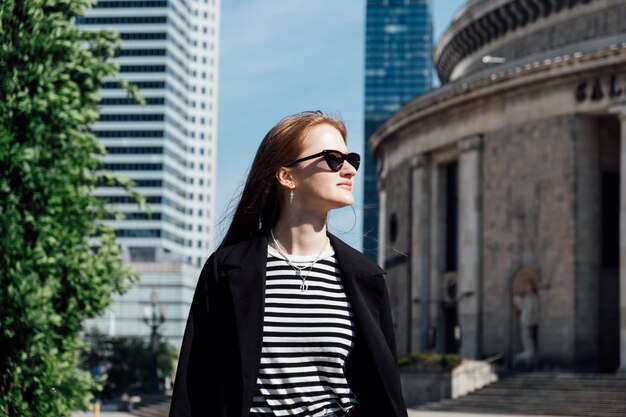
282 57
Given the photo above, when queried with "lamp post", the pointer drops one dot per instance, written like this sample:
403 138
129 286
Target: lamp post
154 317
488 59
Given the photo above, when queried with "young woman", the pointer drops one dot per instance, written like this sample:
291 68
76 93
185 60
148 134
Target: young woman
286 319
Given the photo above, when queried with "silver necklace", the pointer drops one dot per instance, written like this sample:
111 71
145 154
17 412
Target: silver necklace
304 286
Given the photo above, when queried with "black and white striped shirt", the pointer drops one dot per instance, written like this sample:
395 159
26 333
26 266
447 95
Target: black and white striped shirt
307 336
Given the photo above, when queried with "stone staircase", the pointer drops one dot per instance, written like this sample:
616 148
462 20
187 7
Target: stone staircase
152 406
554 394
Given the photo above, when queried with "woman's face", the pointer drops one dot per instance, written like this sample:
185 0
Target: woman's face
317 187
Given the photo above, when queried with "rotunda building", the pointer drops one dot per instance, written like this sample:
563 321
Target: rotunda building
501 191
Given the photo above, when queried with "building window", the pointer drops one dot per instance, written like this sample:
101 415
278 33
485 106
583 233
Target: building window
142 52
127 101
119 4
143 35
138 233
116 150
122 20
143 68
128 133
393 227
131 117
451 216
138 84
133 167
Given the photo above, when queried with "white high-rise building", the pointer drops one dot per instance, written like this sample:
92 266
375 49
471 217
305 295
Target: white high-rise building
169 50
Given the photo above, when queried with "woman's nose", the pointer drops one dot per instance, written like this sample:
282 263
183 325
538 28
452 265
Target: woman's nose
348 169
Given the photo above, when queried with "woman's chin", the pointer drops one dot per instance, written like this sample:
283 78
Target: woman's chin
344 202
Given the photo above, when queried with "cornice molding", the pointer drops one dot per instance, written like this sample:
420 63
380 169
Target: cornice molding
472 143
483 21
531 70
418 161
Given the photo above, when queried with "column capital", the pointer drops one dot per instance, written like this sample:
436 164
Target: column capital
380 183
619 109
418 161
471 143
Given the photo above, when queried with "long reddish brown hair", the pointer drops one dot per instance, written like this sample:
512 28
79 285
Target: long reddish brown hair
259 206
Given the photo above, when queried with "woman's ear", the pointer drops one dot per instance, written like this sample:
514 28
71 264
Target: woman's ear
284 177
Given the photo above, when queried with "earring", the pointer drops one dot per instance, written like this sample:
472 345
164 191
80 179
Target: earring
291 197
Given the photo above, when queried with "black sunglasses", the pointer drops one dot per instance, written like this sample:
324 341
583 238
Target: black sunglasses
334 159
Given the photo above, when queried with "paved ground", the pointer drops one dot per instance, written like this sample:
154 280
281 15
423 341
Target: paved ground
414 413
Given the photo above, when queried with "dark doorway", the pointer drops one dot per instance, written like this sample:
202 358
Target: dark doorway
609 276
452 329
608 288
610 220
448 330
450 235
452 217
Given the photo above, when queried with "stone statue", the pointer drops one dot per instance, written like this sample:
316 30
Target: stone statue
526 302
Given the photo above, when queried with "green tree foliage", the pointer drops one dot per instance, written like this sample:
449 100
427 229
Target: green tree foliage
126 361
53 273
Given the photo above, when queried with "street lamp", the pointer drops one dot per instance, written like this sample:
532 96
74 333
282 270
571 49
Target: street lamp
154 318
488 59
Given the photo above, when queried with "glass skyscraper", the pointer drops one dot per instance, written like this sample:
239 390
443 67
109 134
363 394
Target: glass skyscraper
398 65
169 50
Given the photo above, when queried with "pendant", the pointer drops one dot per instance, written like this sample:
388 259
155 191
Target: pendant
304 286
298 273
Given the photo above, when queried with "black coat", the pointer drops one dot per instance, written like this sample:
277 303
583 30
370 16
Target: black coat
221 350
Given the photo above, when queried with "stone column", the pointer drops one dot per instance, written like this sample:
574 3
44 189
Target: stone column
420 252
470 242
382 220
620 111
435 319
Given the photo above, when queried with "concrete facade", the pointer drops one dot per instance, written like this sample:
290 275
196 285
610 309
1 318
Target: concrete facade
169 50
509 167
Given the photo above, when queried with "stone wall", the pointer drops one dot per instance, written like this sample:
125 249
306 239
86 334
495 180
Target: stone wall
588 239
605 20
528 220
397 252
